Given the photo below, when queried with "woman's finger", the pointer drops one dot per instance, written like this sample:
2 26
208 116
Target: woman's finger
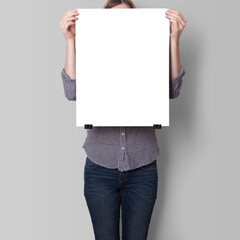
73 10
175 11
67 14
176 17
69 19
69 23
66 26
71 13
176 14
176 20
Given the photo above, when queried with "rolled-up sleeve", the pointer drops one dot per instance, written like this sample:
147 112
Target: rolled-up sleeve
175 84
69 86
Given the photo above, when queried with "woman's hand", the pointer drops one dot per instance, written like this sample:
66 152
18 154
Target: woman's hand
67 24
177 23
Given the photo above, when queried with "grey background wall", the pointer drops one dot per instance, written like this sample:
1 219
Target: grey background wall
41 167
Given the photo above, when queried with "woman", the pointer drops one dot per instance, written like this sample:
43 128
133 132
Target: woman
121 168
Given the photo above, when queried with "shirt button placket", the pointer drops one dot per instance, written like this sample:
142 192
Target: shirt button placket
122 147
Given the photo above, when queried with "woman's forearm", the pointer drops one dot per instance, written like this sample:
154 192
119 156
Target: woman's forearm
70 61
174 58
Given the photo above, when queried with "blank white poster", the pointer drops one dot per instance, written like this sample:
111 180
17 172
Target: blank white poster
122 67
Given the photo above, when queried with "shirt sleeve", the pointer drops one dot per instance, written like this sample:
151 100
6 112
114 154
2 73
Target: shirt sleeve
175 84
69 86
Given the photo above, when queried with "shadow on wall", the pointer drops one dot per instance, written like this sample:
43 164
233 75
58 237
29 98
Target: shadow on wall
182 111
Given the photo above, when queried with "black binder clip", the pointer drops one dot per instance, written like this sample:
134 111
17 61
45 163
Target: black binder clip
88 126
157 126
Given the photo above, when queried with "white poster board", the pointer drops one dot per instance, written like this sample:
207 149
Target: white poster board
122 67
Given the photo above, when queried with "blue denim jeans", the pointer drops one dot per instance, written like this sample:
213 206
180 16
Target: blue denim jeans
106 189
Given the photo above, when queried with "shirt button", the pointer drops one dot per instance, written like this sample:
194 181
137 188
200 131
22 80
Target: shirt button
122 147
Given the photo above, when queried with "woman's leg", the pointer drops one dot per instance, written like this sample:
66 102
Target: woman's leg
101 191
138 199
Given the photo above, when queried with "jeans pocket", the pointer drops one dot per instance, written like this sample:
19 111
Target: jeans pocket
90 164
150 167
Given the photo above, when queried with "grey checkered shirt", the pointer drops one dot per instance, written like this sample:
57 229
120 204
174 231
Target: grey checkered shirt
122 148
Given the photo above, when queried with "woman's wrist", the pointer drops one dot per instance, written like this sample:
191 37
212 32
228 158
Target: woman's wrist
174 40
70 40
